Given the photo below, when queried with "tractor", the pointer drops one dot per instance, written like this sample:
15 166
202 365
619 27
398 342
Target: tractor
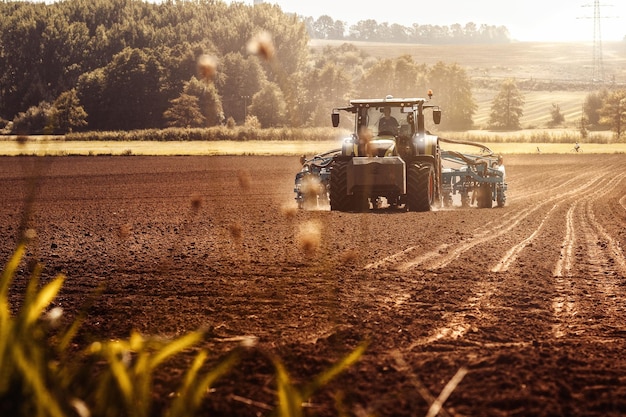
391 160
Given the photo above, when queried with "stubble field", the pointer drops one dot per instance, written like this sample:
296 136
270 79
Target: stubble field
528 299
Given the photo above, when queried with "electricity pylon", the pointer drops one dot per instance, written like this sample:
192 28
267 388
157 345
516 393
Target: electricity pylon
597 75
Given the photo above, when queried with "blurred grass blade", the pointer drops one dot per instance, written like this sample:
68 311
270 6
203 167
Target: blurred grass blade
175 347
194 389
326 376
43 299
31 372
7 277
289 399
115 353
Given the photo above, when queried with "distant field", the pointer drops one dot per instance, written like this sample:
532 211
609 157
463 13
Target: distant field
562 69
555 61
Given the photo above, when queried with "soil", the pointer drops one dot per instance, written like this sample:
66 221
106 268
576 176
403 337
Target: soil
527 303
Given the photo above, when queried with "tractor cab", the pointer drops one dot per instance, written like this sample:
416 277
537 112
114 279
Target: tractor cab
385 127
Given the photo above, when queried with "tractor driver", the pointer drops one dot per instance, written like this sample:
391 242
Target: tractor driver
388 123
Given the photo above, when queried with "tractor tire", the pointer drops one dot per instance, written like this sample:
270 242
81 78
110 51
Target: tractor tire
420 187
500 197
484 196
339 198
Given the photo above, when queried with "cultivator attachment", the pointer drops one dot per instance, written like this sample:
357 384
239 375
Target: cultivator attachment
312 183
476 177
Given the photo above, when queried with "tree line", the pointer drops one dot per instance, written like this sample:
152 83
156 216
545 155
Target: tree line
325 27
126 64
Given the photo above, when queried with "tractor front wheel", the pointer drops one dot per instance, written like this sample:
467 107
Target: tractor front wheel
420 187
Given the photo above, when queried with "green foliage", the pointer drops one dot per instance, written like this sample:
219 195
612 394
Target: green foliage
240 78
268 105
613 112
251 130
556 117
209 100
452 91
184 111
128 59
507 107
35 120
290 398
593 104
67 113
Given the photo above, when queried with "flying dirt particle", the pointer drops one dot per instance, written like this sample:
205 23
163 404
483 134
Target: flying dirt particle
236 231
207 67
349 256
311 188
124 231
289 210
310 237
30 234
365 139
262 45
245 180
196 202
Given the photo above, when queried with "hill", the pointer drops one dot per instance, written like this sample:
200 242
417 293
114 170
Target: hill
548 73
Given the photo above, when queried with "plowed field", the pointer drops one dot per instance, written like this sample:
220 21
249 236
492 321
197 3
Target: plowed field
529 299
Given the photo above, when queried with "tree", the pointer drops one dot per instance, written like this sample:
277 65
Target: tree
67 113
268 105
184 111
507 107
89 90
556 116
593 104
240 78
209 101
33 121
131 93
323 88
613 112
453 92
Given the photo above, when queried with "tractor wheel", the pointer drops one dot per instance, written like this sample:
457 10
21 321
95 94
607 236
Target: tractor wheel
339 198
484 196
420 187
500 197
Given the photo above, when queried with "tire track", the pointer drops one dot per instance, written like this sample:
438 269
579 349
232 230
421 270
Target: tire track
448 253
499 229
513 253
485 297
601 280
564 264
456 323
593 232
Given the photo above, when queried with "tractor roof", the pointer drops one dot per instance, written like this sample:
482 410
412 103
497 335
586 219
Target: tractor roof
389 101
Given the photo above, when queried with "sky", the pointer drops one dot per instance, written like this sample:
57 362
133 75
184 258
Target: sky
528 20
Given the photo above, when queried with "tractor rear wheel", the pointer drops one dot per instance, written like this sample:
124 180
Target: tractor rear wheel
485 196
420 187
339 198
